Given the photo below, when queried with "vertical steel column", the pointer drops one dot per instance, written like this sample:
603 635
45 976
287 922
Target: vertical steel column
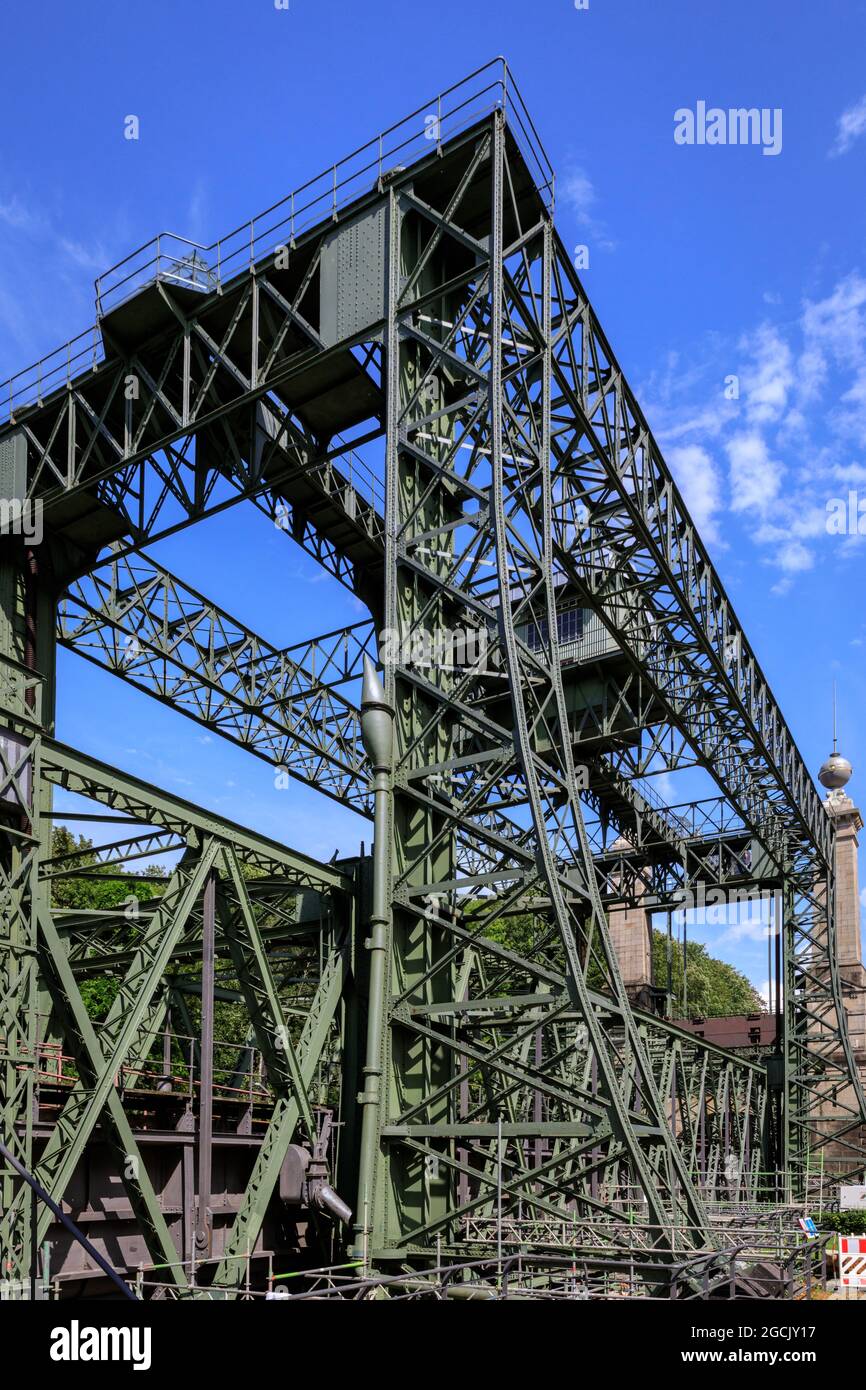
26 705
678 1211
205 1098
377 728
794 1022
373 1174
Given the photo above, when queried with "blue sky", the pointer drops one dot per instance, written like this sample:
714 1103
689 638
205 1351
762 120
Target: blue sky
705 262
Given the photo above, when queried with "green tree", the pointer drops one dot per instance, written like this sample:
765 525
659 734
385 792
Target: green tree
91 886
715 989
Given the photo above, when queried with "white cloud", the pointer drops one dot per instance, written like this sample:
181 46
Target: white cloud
834 333
700 485
754 928
850 473
755 477
794 557
794 437
771 377
663 783
89 259
707 422
852 124
38 228
196 212
21 218
575 191
835 324
797 520
811 373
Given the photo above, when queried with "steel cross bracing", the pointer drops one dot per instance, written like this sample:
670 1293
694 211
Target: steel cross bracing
449 514
641 559
517 467
164 632
676 594
72 950
21 695
133 618
208 368
606 465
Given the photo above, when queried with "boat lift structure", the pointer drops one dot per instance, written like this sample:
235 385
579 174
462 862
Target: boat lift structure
399 366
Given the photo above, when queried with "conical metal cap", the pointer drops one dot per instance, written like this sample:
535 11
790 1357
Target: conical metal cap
372 689
377 718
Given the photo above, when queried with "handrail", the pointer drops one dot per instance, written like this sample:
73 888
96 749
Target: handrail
168 255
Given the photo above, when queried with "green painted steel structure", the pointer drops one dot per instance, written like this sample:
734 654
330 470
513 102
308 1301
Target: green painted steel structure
416 303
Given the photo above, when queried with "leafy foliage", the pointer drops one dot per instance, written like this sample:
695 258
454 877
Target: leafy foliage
97 887
846 1223
715 989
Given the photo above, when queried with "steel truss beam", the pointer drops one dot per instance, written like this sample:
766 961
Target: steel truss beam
642 566
637 515
461 511
132 617
130 796
620 536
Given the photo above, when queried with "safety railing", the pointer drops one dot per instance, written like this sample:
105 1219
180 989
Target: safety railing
238 1073
55 370
650 796
167 257
176 260
170 257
